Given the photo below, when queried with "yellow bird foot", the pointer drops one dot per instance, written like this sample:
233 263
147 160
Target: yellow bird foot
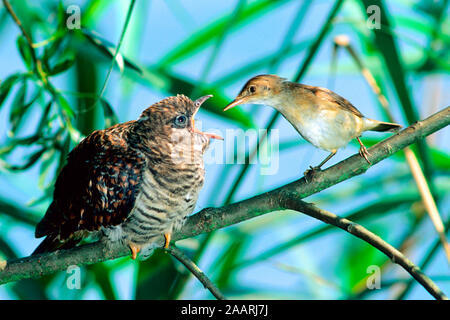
167 237
364 153
134 250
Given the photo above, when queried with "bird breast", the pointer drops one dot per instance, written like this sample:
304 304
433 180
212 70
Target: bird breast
326 127
168 192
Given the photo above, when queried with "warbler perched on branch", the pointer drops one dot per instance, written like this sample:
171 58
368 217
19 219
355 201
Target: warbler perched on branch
135 182
322 117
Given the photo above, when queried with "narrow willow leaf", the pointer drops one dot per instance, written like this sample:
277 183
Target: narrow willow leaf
25 52
47 160
55 45
18 108
62 66
32 159
6 86
18 142
108 49
65 106
44 118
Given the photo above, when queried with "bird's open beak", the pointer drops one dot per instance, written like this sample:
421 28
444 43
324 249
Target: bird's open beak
198 103
234 103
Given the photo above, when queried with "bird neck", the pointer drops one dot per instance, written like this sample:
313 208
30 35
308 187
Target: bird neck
170 147
292 102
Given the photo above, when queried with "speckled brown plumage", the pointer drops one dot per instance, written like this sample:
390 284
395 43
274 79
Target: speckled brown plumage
133 182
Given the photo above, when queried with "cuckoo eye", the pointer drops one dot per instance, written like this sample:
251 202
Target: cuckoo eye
180 121
252 89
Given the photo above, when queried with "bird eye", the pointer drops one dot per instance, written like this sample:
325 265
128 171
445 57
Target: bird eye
180 121
252 89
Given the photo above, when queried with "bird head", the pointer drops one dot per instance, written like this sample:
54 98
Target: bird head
176 115
261 89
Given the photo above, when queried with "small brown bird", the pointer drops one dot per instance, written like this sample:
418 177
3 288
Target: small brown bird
135 182
322 117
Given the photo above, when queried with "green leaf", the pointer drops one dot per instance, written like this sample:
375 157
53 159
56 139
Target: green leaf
18 107
12 143
65 107
6 86
47 159
32 159
55 45
108 49
25 52
44 117
62 66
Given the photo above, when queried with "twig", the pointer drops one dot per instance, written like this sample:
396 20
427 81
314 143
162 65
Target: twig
192 267
210 219
37 62
22 29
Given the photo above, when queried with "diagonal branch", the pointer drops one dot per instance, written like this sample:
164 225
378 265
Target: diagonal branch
211 219
371 238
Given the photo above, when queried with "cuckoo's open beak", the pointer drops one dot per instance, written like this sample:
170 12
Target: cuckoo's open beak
235 103
198 104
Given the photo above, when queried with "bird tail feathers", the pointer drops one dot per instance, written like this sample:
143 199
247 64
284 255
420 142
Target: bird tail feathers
53 243
375 125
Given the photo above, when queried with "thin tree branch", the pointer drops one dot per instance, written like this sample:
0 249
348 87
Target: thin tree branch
195 270
210 219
